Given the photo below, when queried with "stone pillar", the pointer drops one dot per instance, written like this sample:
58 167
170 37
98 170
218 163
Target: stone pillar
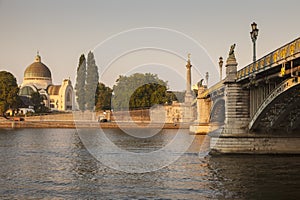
188 94
188 112
203 106
236 100
201 125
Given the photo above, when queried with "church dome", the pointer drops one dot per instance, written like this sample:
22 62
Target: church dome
37 74
37 69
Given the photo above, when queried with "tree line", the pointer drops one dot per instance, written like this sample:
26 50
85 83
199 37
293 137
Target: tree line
130 92
137 91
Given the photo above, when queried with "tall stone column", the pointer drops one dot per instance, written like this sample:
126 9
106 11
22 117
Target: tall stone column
188 111
188 94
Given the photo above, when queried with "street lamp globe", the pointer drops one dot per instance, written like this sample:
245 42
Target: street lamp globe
206 77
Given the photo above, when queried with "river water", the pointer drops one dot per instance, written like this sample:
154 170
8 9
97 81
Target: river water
54 164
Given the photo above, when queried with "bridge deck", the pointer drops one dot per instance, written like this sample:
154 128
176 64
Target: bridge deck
281 55
215 87
288 52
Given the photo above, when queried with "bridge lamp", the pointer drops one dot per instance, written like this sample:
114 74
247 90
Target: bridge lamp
206 78
220 65
254 34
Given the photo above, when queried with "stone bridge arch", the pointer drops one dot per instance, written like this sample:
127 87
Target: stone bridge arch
217 113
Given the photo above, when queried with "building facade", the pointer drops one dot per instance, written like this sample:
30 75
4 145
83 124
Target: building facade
38 78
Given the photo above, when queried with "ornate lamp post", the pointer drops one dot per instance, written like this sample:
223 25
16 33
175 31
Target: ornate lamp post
220 65
206 78
254 34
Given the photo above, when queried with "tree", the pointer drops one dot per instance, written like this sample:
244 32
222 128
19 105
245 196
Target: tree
9 89
139 91
148 95
92 79
103 97
37 101
80 83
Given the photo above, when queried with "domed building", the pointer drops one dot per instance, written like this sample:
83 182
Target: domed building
38 78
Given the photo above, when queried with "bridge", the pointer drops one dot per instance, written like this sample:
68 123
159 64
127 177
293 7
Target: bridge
256 107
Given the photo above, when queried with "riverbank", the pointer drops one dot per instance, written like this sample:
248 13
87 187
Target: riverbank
86 124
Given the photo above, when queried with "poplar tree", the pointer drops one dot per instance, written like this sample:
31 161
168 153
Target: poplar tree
92 79
80 83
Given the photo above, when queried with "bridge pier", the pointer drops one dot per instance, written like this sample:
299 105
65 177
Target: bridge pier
202 125
236 109
203 107
236 101
255 144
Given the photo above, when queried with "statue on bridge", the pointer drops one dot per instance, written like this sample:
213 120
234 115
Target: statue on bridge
231 53
200 83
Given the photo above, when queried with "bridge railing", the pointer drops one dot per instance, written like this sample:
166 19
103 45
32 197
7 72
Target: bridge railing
211 89
271 60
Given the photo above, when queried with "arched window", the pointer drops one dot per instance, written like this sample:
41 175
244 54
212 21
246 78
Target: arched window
26 91
69 96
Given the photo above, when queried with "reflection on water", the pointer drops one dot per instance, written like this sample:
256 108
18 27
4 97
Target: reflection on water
53 163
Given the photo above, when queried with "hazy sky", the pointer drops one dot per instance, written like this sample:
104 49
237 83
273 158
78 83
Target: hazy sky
63 30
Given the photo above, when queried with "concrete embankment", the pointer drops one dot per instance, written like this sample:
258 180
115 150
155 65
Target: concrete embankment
83 124
66 120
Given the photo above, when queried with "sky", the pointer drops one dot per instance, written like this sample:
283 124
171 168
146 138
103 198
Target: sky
120 33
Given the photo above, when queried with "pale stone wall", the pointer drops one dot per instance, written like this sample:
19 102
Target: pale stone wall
236 109
256 145
56 101
56 117
133 115
175 113
204 107
62 101
65 90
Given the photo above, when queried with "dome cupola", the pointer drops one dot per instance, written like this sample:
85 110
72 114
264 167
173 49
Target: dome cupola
37 73
37 69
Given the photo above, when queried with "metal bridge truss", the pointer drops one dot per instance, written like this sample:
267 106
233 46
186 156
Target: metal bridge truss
281 108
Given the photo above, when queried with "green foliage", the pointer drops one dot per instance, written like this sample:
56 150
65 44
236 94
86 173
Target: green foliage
92 79
80 83
37 101
139 91
171 97
103 97
8 92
